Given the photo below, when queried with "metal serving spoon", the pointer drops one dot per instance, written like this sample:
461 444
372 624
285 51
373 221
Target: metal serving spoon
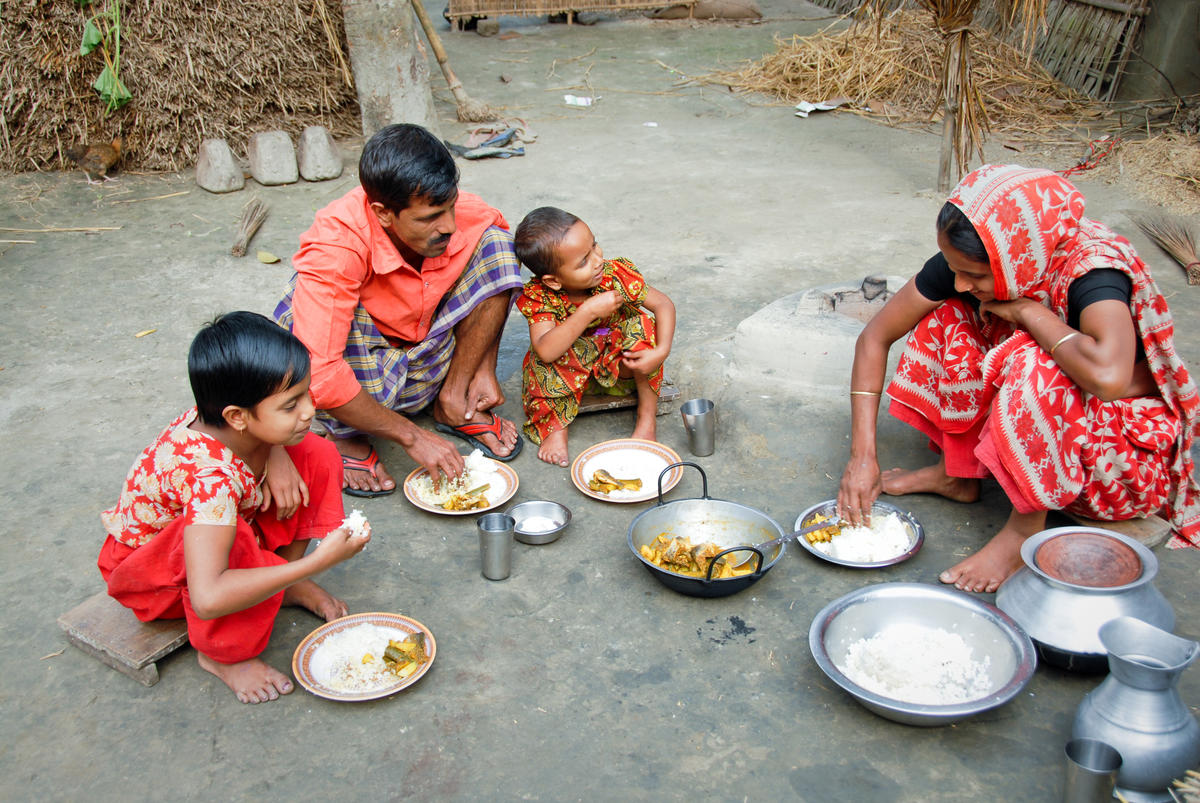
744 553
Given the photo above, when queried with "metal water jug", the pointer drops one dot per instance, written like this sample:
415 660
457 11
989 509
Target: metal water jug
1137 708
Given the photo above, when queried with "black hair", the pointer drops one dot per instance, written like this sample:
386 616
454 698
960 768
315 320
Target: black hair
961 233
241 358
537 236
403 162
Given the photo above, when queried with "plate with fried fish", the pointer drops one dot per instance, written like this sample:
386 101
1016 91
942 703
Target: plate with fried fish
625 470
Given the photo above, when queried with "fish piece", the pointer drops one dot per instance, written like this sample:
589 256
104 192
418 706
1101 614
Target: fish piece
604 477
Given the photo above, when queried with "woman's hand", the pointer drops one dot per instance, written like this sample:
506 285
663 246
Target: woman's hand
1012 311
859 489
283 485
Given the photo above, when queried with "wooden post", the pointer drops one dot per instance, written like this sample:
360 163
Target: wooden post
950 93
391 70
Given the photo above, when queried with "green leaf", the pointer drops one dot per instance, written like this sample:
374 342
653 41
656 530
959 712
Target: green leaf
91 38
111 90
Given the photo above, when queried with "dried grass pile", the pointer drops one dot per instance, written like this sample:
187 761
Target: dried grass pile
222 68
1164 168
893 70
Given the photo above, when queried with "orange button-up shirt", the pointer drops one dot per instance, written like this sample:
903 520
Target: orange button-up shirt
346 259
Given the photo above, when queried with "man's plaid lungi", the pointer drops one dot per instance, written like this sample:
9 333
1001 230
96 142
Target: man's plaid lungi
408 380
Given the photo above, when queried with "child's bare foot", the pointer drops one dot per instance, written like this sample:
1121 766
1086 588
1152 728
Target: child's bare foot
645 428
554 448
252 681
308 594
929 480
1000 557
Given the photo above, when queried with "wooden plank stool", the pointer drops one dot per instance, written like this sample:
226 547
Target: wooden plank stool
109 632
596 403
1150 531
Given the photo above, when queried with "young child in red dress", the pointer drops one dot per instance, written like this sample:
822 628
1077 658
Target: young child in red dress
594 324
204 531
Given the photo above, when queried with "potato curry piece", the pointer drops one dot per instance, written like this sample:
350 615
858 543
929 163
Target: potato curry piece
825 534
468 500
406 656
679 556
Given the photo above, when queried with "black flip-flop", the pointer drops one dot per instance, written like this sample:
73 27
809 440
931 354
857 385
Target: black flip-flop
469 430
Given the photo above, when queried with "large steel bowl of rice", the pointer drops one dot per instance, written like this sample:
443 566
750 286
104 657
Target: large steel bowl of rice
921 654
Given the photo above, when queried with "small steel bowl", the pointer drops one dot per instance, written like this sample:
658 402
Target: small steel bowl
541 508
990 632
880 508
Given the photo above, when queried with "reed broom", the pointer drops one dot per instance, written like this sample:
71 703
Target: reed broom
1173 236
253 215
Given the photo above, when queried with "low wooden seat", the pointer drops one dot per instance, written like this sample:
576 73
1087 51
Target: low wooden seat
108 631
595 403
1150 531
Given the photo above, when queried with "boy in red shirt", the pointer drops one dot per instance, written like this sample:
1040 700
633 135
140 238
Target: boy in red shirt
592 323
198 533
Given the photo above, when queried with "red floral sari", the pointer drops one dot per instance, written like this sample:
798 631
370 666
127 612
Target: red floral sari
995 402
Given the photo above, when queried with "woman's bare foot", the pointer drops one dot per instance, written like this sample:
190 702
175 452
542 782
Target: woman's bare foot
362 479
929 480
1000 557
308 594
554 448
252 681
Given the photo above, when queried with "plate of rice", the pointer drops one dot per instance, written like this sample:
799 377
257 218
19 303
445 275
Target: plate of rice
500 479
629 459
893 536
344 659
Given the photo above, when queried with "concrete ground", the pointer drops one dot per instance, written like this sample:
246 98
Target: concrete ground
580 677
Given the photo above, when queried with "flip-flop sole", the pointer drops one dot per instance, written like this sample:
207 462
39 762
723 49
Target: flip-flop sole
480 445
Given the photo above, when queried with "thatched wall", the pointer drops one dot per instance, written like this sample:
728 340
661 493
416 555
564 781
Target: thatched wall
221 68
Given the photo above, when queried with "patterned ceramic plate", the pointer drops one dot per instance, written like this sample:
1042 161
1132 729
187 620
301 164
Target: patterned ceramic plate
627 458
495 496
311 667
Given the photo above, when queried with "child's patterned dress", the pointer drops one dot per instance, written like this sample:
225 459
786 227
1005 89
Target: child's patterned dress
551 392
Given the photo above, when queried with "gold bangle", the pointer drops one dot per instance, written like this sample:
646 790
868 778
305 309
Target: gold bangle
1062 340
865 393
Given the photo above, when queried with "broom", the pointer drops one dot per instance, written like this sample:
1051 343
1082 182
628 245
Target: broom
253 215
469 111
1173 236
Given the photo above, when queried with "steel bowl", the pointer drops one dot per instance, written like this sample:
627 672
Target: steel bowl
1074 580
880 508
990 632
728 524
541 508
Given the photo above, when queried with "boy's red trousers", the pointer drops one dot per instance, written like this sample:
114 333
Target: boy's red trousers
151 580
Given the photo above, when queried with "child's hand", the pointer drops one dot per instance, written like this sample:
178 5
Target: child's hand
282 484
603 304
645 361
340 545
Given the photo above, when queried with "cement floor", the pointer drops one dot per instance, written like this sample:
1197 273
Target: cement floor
580 677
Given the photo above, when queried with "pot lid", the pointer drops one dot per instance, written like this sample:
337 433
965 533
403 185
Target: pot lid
1089 558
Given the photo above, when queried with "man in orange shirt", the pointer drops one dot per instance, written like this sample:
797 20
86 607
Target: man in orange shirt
401 290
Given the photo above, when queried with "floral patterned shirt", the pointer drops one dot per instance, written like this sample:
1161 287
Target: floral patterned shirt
183 474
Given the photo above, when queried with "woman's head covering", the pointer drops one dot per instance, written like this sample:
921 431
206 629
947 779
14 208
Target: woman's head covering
1023 215
1032 224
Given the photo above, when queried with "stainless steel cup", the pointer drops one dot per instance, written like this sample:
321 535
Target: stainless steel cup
496 545
700 421
1091 771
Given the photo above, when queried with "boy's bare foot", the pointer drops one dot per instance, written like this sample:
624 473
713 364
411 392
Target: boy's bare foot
929 480
376 478
308 594
554 448
252 681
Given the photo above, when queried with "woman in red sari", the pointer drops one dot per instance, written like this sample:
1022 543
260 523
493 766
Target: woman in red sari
1040 353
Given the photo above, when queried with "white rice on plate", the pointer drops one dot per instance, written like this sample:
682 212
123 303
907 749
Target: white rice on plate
918 664
341 663
479 470
887 537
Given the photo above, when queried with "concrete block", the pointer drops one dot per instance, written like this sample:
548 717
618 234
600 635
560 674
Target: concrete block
318 155
487 27
272 158
216 169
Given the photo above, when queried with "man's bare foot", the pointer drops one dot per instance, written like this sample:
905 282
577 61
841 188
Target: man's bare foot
362 479
252 681
989 567
929 480
554 448
308 594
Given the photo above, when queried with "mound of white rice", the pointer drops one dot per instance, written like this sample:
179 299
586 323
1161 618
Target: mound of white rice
479 470
918 664
341 661
886 538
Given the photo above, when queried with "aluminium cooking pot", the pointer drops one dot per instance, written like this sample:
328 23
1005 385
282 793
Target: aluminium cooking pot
728 524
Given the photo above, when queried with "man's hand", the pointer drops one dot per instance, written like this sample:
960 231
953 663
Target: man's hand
436 455
283 485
